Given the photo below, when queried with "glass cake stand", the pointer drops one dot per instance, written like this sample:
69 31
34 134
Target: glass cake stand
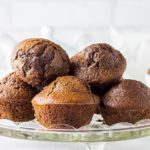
94 135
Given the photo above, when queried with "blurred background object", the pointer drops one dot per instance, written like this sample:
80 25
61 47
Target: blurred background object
147 77
75 24
7 44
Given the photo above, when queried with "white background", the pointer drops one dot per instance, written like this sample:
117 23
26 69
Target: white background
75 24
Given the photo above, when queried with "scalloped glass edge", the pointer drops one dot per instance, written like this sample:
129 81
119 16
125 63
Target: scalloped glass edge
94 132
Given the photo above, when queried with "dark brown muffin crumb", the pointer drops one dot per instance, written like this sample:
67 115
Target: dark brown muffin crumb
15 99
51 116
128 101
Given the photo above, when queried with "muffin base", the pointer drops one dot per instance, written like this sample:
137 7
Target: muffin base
16 110
131 116
54 115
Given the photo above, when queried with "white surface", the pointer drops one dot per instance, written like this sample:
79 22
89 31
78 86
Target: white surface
132 13
56 13
4 16
13 144
81 13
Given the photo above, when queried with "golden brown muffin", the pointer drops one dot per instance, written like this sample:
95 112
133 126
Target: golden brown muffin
15 99
67 100
39 61
128 101
100 65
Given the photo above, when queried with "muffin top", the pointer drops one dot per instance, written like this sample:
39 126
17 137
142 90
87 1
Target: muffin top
39 61
98 64
66 90
11 87
129 94
27 44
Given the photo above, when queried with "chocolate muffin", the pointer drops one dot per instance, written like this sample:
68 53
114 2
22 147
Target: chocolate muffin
100 65
66 101
128 101
39 61
15 99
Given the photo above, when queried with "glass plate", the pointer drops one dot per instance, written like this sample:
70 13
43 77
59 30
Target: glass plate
96 131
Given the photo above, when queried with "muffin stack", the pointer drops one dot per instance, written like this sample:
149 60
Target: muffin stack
36 62
60 91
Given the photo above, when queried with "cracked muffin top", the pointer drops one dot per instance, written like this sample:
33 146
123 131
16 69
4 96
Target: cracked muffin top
98 64
66 90
11 87
39 61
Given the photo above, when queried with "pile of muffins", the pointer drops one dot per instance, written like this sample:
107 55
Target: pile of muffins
56 91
